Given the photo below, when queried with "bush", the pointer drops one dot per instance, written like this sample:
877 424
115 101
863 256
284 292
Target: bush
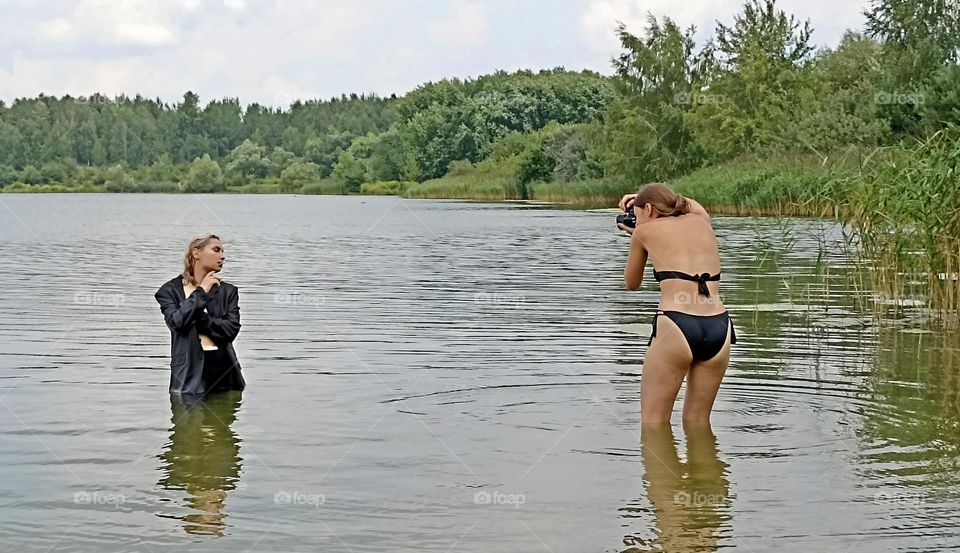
204 176
325 186
385 188
299 175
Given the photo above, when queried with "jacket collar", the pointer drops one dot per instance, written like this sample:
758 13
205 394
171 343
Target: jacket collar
177 284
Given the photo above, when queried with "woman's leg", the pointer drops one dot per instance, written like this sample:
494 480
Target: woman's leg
664 367
703 383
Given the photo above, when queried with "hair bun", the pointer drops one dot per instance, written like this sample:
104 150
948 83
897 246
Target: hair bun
680 205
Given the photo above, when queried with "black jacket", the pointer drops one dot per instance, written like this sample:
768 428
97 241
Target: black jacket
216 314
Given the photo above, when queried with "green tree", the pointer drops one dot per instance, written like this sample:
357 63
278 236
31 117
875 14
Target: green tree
350 171
8 175
762 75
919 35
204 175
31 175
246 161
298 175
116 179
279 160
657 75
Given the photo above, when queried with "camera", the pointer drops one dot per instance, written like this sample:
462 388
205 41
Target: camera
628 219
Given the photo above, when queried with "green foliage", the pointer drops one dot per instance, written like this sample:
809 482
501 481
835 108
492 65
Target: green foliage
644 133
462 120
487 180
116 179
385 156
350 171
592 193
246 161
905 207
761 78
31 175
298 176
204 176
325 186
940 105
8 175
385 188
279 159
136 132
918 36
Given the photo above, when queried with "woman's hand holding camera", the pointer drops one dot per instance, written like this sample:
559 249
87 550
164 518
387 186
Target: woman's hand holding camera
626 204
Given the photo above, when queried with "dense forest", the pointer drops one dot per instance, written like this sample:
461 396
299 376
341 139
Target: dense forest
758 89
131 144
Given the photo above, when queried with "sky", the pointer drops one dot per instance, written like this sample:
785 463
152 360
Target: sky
274 51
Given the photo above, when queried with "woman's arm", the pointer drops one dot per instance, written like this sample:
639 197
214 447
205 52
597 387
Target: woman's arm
696 208
180 318
222 329
636 261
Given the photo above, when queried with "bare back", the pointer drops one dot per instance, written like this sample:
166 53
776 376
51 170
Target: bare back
686 243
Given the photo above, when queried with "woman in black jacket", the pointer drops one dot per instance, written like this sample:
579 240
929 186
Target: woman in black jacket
203 314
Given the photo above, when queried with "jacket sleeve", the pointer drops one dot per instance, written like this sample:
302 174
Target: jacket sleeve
222 329
179 319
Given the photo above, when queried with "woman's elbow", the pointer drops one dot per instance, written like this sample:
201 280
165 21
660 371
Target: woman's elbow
631 283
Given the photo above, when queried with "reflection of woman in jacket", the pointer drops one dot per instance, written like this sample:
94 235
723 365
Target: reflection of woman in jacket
202 457
203 314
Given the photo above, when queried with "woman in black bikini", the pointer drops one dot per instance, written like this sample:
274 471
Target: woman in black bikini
692 339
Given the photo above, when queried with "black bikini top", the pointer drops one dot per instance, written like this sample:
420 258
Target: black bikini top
700 279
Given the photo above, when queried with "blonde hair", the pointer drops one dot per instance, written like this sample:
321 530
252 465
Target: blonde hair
662 199
199 241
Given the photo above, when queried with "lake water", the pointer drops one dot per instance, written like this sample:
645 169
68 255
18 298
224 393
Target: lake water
451 376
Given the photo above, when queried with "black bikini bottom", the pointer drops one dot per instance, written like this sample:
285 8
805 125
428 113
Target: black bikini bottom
218 374
705 334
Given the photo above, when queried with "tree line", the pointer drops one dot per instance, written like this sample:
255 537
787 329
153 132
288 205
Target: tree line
757 87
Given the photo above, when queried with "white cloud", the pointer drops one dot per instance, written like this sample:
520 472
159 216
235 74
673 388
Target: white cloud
145 34
55 28
600 18
828 17
273 51
235 5
465 25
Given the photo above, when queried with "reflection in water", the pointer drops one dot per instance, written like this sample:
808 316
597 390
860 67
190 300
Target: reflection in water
203 457
690 501
911 433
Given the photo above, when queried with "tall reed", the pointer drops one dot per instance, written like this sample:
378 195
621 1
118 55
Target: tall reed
905 207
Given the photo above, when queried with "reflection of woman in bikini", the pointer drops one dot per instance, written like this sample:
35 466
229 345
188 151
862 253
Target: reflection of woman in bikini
690 501
692 339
